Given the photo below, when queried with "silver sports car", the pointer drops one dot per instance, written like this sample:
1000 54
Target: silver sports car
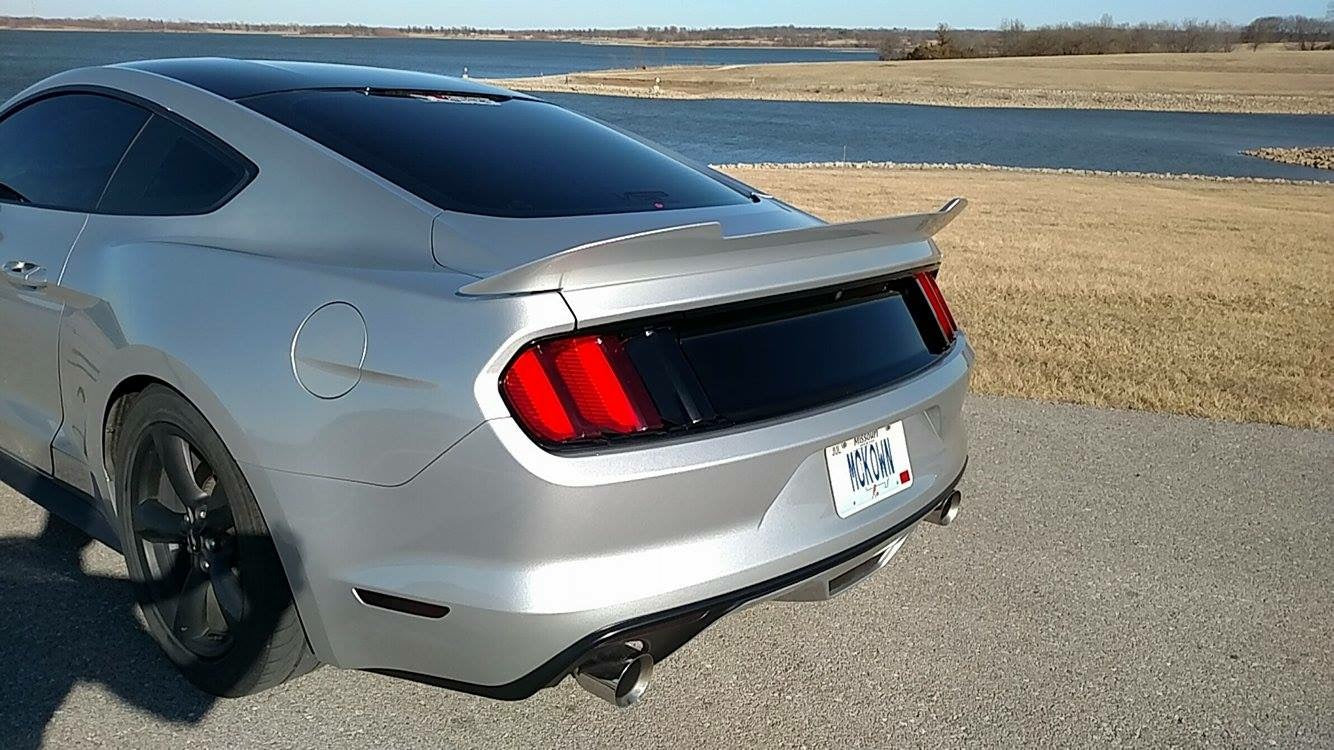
410 374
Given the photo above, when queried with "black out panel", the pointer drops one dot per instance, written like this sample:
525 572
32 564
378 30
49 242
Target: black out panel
723 366
794 363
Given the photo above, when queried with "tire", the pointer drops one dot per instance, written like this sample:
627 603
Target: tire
204 569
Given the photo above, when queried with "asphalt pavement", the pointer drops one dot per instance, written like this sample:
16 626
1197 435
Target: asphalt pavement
1114 578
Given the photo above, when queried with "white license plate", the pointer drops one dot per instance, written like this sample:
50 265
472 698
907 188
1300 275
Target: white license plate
868 468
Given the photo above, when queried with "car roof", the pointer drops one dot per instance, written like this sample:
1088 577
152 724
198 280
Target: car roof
237 79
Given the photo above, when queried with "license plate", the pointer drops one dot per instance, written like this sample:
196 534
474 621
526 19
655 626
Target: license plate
868 468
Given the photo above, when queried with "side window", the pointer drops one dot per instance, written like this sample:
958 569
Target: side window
171 171
59 152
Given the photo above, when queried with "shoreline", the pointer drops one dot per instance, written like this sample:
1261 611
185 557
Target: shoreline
960 98
1314 157
983 167
1242 81
591 41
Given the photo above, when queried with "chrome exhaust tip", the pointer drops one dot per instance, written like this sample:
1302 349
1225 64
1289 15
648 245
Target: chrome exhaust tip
948 509
618 675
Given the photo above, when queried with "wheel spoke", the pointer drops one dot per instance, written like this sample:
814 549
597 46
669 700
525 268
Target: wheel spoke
175 569
175 454
191 616
227 593
219 517
154 522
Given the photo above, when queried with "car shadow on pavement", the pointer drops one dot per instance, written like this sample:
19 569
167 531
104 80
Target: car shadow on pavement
61 626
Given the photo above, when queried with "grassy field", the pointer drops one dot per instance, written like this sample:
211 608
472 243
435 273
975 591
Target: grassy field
1267 80
1212 299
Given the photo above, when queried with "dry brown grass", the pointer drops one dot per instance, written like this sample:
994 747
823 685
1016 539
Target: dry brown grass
1202 298
1268 80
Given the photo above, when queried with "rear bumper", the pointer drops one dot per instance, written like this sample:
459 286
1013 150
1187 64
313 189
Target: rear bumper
542 557
662 633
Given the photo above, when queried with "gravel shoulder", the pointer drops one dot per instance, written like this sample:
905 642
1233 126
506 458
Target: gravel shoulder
1115 578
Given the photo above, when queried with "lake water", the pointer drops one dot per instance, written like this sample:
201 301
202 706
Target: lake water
719 131
739 131
27 56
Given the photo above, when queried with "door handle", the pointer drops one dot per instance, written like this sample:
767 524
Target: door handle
25 274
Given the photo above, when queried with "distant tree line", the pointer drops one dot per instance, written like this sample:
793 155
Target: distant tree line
782 36
1307 33
99 23
1106 37
1012 39
777 36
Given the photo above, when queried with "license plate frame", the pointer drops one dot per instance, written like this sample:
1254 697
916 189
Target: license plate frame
866 469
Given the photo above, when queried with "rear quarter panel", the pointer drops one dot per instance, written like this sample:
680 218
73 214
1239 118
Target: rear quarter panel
209 304
218 326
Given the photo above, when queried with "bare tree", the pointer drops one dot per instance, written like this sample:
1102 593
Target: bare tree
1304 30
1012 35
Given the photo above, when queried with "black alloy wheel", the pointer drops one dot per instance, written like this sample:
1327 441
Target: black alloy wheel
187 541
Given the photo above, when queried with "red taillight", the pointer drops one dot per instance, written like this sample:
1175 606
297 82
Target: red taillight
577 388
534 400
927 281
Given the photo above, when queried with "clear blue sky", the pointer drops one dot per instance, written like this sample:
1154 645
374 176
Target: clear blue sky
625 13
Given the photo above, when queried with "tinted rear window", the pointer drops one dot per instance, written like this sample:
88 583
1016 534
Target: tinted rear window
59 151
512 157
171 171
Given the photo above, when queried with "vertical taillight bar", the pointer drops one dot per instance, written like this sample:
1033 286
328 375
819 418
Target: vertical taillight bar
926 280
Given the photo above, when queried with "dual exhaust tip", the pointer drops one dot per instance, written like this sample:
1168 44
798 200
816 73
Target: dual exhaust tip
948 509
618 675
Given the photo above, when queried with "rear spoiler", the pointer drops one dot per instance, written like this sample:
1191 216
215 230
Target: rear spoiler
677 252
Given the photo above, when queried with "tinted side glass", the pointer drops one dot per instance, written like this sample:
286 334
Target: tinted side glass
511 157
60 151
171 171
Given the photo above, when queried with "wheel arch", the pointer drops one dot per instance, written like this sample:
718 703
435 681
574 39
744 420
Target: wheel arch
126 374
113 415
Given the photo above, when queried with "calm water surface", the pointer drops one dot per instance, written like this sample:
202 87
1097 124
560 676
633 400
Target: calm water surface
28 56
718 131
732 131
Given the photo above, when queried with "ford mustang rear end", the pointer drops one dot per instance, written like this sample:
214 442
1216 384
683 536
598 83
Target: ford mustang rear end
694 443
449 383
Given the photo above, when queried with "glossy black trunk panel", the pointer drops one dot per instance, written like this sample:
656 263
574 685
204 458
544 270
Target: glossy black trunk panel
789 364
761 359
